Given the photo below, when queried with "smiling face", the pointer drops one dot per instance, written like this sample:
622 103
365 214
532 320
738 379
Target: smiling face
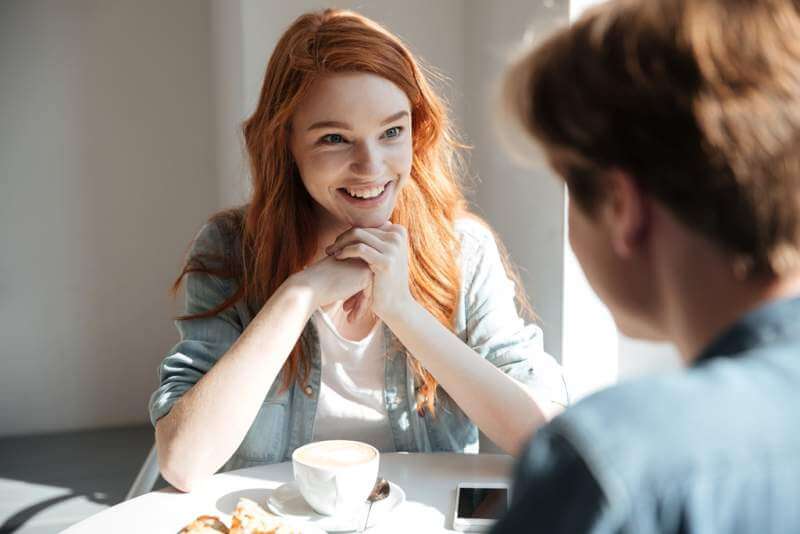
351 140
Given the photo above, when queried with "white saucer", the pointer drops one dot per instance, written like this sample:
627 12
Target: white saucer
286 501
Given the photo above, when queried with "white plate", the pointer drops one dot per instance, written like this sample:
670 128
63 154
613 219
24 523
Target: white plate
305 527
287 502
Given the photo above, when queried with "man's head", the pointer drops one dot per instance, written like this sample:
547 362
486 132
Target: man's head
689 108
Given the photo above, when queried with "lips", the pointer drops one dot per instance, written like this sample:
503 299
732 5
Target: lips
366 197
365 192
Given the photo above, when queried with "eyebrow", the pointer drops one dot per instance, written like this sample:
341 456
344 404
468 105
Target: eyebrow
346 126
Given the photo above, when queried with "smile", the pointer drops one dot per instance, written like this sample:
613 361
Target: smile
365 196
369 192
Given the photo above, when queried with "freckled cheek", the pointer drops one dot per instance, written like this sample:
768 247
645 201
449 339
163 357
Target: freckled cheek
325 169
399 159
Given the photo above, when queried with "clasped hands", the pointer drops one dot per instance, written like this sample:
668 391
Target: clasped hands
367 268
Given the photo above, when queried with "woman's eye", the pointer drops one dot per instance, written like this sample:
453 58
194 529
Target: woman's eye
393 132
332 139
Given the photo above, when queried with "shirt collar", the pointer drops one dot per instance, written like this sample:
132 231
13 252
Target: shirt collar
775 321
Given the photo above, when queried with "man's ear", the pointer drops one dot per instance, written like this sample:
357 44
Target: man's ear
626 213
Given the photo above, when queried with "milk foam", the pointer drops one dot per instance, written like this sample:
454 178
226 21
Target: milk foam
334 454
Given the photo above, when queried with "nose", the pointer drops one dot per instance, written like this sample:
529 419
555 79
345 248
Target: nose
367 160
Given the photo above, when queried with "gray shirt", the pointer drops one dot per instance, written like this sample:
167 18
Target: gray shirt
486 320
712 449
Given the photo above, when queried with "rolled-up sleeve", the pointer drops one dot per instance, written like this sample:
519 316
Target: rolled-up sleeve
202 341
494 327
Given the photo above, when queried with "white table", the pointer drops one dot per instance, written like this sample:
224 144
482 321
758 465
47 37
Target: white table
429 481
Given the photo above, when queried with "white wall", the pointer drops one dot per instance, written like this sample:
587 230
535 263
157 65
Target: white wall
106 171
525 205
227 58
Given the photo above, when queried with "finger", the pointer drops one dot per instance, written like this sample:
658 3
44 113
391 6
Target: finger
395 229
377 239
395 234
373 237
366 253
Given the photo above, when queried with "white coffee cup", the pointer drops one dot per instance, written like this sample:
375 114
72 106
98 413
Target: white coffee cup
335 477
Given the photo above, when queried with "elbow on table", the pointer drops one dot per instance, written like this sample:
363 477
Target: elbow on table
181 477
174 465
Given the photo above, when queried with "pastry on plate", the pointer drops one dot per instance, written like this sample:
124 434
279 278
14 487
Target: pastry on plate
250 518
205 524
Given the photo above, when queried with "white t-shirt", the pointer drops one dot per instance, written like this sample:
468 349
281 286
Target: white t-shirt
351 403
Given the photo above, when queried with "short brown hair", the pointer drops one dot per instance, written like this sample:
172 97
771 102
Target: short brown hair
698 100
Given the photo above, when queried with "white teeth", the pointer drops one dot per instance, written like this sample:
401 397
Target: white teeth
372 192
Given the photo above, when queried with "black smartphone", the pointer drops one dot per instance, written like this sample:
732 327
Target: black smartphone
479 505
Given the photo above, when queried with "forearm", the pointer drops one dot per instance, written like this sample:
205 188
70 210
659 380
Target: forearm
480 389
208 423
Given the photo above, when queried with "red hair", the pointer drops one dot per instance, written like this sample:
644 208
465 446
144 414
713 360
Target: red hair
278 229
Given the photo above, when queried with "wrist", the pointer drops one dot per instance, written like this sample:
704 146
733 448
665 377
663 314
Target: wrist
403 312
300 289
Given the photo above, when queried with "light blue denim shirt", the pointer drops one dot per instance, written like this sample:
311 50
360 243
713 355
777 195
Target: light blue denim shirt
711 449
486 320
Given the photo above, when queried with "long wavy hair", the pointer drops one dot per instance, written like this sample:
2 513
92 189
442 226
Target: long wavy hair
276 233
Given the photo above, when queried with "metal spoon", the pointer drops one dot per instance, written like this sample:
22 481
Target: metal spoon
379 492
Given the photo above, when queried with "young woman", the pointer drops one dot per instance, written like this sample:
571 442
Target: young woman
353 284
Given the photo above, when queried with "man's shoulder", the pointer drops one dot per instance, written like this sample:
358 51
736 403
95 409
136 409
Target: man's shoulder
618 431
658 430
